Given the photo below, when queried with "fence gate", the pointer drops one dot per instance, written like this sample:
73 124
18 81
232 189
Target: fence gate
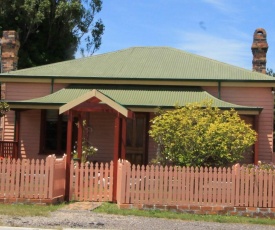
91 182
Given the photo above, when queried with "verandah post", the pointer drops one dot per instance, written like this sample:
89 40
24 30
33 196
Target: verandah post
123 137
256 145
16 135
117 132
79 136
68 152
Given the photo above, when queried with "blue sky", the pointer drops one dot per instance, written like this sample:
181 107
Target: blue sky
218 29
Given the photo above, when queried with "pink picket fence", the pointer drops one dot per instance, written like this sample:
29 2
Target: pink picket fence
91 182
151 185
157 185
32 179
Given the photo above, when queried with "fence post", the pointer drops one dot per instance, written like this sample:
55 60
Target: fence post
64 179
72 180
59 178
119 169
50 162
121 174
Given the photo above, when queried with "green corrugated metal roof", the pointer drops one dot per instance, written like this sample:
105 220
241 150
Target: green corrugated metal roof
134 96
145 63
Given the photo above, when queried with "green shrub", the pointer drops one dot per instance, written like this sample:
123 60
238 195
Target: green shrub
200 135
4 108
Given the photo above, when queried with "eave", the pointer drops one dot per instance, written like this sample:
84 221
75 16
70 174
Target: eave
125 99
136 81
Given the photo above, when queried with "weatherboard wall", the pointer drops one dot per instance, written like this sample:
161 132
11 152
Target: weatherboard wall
25 91
103 123
102 135
30 134
29 119
259 97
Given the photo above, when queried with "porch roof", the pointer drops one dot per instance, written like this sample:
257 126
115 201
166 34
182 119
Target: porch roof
125 98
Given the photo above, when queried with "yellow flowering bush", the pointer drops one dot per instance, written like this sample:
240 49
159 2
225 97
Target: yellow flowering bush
200 135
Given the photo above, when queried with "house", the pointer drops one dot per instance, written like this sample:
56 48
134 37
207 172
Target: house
117 94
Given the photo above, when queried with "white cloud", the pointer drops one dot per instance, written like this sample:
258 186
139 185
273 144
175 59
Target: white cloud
231 51
222 5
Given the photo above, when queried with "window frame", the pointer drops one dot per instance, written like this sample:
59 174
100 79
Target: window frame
43 148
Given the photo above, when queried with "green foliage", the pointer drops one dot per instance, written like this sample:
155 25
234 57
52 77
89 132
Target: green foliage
4 108
270 72
200 135
113 209
50 31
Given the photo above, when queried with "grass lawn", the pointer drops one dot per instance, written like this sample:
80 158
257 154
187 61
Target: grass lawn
27 210
113 209
109 208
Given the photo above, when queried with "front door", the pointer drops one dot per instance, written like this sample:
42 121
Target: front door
136 144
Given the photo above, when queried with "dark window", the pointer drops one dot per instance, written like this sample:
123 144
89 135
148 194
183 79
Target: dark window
136 139
53 132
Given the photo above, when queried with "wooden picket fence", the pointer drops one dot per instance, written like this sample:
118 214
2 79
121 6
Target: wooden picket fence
236 186
91 182
151 185
32 179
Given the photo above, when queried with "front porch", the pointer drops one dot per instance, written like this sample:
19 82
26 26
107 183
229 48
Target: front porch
62 126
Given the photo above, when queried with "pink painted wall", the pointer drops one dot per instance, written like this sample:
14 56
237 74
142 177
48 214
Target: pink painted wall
258 97
249 154
103 123
102 135
25 91
30 120
30 134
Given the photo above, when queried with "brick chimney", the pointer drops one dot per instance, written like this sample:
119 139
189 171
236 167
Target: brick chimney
259 49
9 46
